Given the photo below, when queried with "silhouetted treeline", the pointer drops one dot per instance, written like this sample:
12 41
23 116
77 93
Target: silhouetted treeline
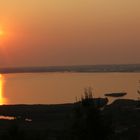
76 68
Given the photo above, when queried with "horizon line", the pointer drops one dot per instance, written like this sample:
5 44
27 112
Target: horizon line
74 68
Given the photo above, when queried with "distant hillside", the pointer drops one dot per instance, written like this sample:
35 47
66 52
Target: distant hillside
84 68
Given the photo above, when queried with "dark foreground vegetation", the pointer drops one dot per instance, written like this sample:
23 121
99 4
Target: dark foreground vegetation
87 119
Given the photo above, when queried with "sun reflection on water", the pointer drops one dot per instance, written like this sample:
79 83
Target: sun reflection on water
2 99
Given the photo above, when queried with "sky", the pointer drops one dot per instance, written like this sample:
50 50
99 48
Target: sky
74 32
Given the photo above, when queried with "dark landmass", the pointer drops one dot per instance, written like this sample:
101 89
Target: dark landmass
80 68
119 94
55 122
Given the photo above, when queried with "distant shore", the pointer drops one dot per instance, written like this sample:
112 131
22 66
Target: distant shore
78 68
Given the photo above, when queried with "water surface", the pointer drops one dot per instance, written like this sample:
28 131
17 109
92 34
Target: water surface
53 88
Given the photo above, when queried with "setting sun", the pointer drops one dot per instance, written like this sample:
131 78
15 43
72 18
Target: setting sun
1 33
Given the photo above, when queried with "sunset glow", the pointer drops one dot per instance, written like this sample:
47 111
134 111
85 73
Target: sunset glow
1 33
69 32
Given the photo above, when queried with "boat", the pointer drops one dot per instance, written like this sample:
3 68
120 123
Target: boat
116 94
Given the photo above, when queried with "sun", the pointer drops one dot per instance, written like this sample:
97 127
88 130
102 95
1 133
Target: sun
1 33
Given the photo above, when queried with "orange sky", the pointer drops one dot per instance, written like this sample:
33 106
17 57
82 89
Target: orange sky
60 32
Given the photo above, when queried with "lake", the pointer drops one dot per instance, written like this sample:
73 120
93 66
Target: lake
55 88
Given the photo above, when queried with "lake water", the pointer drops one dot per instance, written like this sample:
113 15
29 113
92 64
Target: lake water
54 88
13 118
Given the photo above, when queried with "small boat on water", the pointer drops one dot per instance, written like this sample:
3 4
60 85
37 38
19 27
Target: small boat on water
116 94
